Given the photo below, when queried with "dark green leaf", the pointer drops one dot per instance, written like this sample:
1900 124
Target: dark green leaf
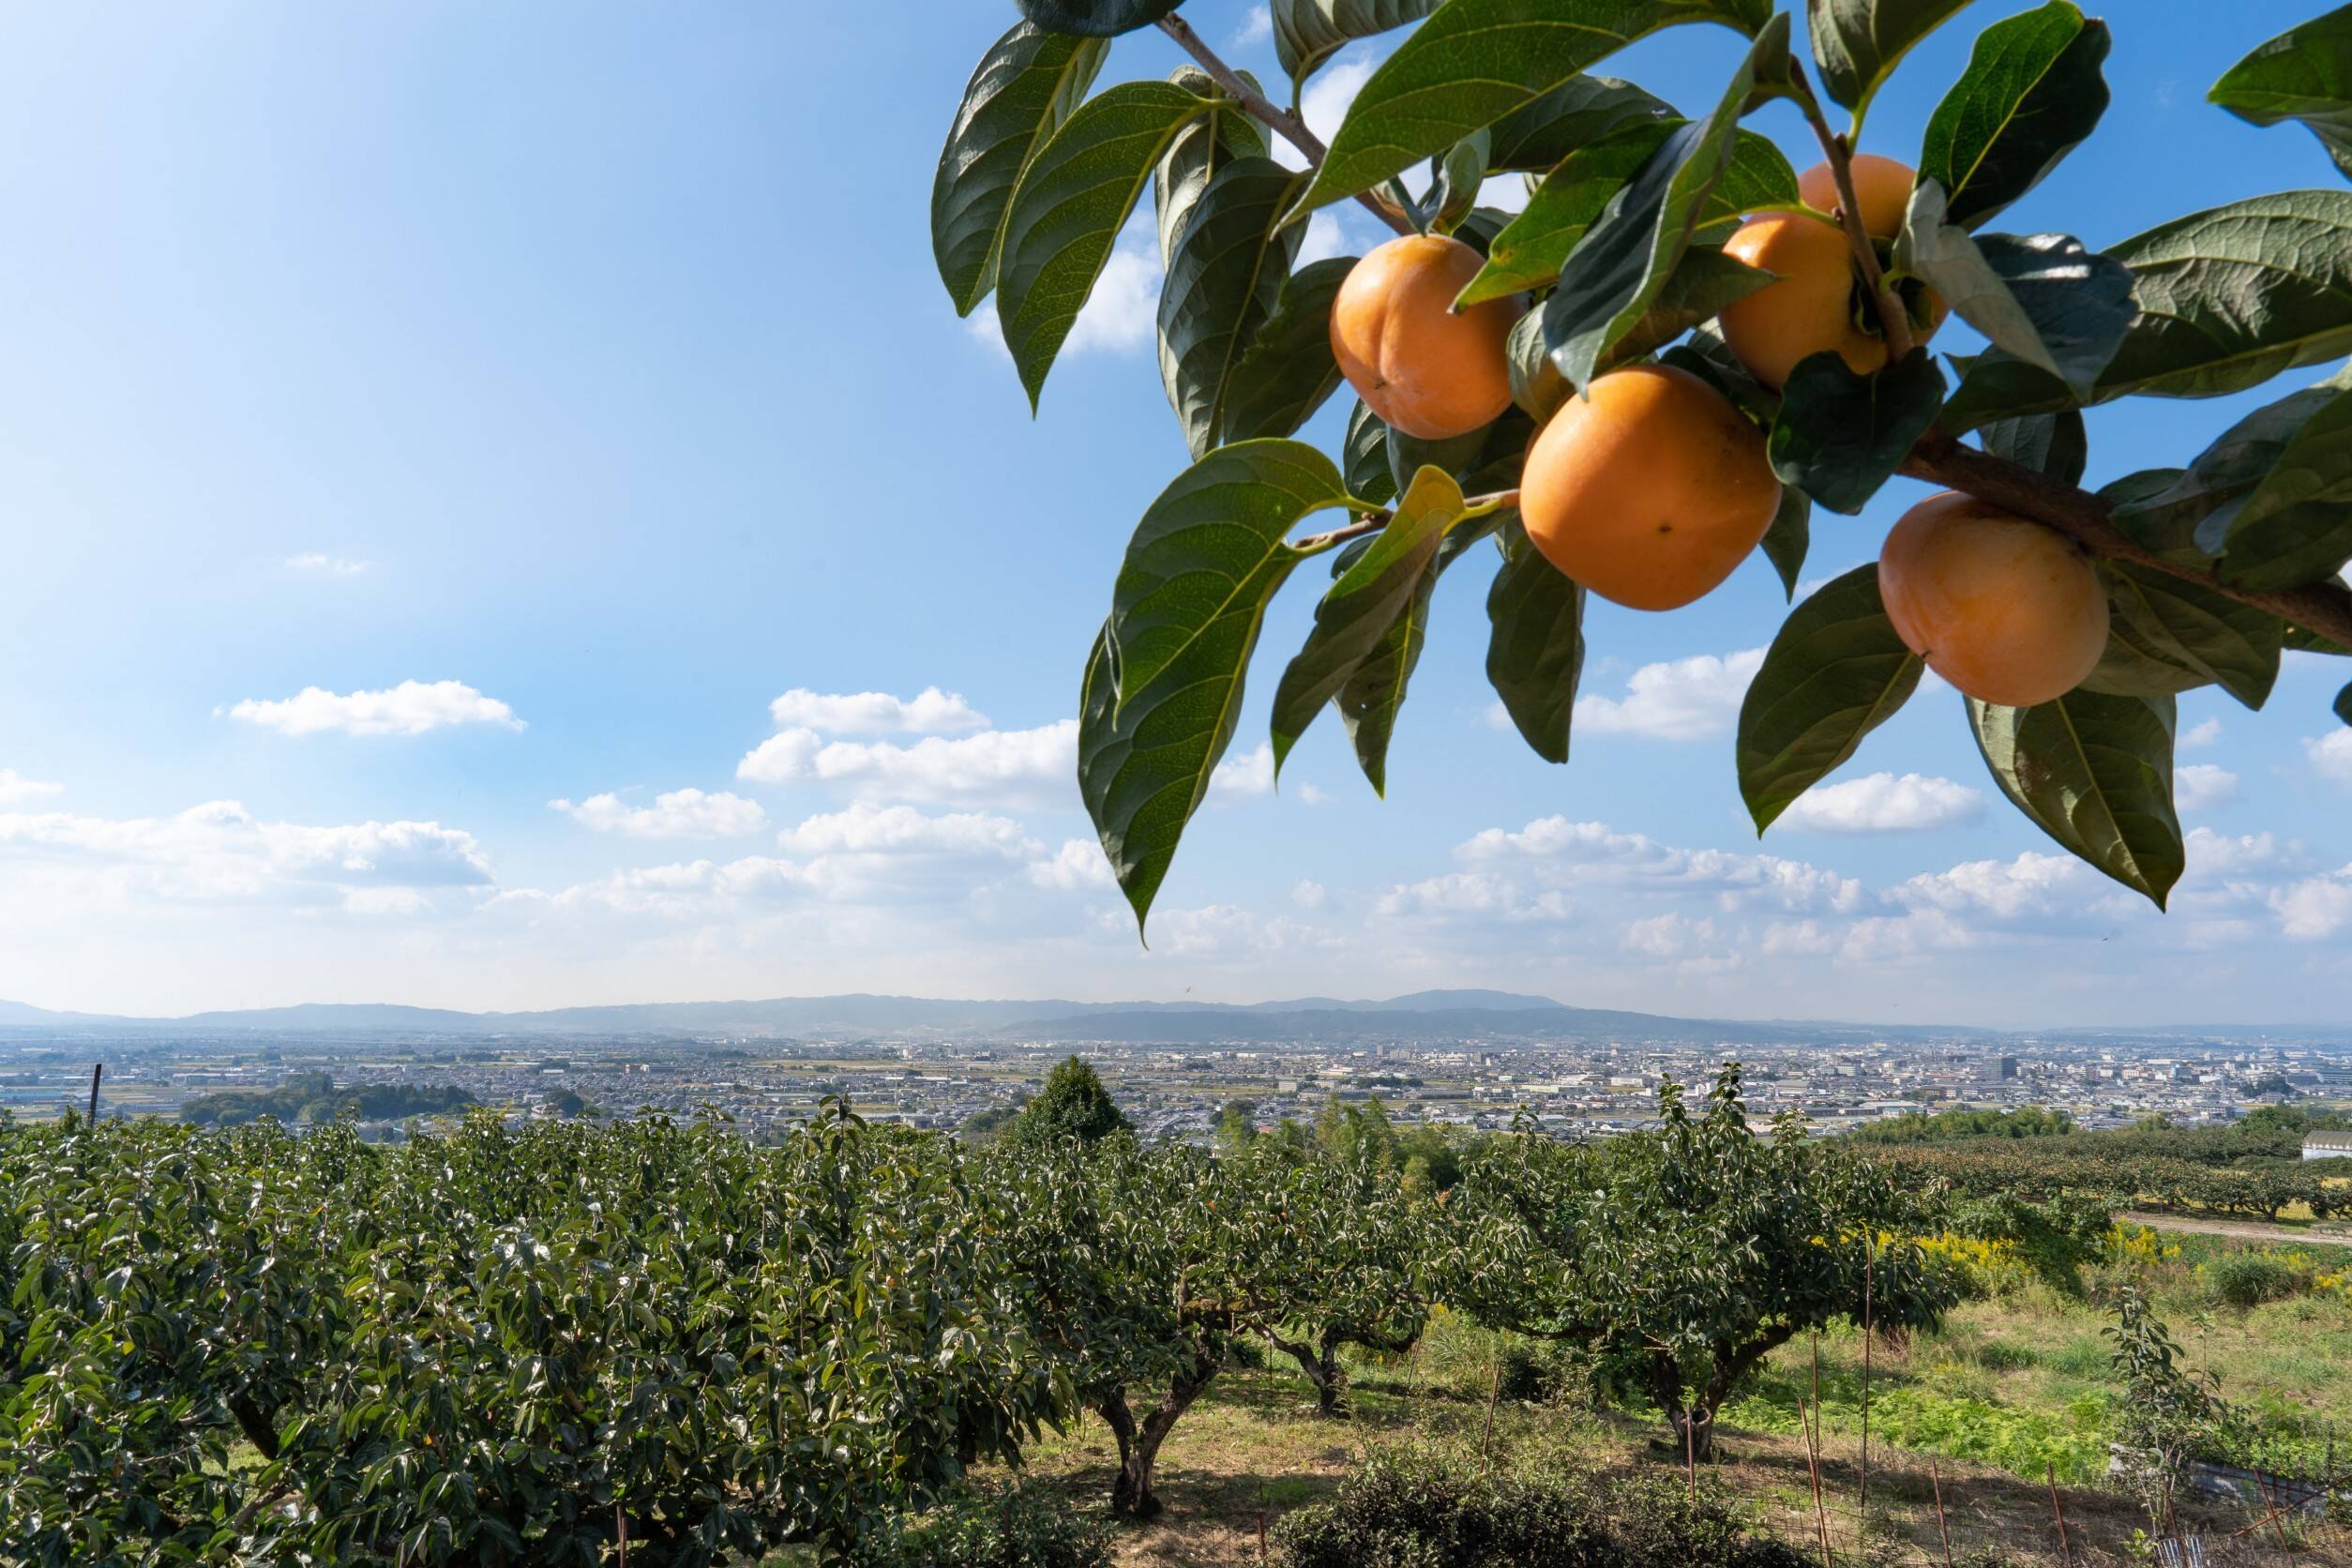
1369 619
1460 173
2043 298
2228 299
1535 653
1528 252
1229 264
1578 112
2189 518
1219 528
1308 32
1287 369
2031 93
1835 671
1096 19
2093 772
2054 444
1536 384
1365 458
1702 283
1789 537
1840 436
2343 704
2305 641
1859 42
1069 208
2305 74
2295 527
2170 634
1622 262
1475 61
1455 456
1201 149
1022 90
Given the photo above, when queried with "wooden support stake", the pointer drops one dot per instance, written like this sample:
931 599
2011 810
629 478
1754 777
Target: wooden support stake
98 1071
1690 1453
1813 1469
1868 1251
1936 1480
1494 1394
2066 1552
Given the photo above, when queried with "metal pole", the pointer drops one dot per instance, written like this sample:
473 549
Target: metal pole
98 1071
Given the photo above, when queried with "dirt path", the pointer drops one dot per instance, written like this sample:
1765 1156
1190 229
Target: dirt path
2243 1229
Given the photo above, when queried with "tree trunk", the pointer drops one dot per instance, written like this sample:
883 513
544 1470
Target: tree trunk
1321 1365
1694 1431
1131 1495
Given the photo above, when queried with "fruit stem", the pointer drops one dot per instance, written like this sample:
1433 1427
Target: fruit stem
1378 519
2325 608
1284 123
1893 324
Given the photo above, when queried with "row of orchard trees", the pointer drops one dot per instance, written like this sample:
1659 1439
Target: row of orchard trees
507 1346
2116 1175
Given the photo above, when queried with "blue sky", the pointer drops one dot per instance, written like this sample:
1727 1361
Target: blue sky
562 397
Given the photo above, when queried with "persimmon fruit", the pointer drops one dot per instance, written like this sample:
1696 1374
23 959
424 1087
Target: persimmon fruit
1818 301
1650 489
1424 367
2007 610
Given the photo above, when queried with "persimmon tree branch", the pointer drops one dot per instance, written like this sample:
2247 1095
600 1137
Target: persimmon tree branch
1378 519
1893 324
2325 608
1285 123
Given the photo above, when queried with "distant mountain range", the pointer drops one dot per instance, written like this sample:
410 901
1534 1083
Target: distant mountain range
1437 1014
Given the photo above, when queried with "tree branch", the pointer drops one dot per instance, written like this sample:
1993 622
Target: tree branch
1282 122
2325 608
1893 323
1373 521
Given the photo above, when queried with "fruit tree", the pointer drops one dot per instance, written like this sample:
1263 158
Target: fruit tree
1662 362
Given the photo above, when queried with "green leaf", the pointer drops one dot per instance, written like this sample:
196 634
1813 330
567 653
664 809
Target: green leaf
2170 634
1223 285
1069 208
2093 772
1536 384
2031 93
1096 19
1370 621
1622 262
1023 89
2190 518
1835 671
2303 639
1859 42
1475 61
1701 284
1840 436
1530 250
1455 456
1460 173
1535 652
2228 299
2295 527
1364 458
1307 33
2305 74
1216 530
1201 149
2344 703
2044 298
1287 369
1576 115
2054 444
1789 537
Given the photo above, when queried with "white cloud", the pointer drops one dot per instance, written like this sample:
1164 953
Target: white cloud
928 712
2204 733
1309 895
865 828
1240 777
1256 27
2315 908
219 852
2332 755
1329 94
410 708
1325 239
2201 786
1037 765
1681 700
330 565
678 814
1311 794
1121 316
1882 802
1569 854
15 787
1079 866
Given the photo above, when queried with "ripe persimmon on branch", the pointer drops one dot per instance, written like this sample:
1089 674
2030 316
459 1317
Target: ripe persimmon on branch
1658 366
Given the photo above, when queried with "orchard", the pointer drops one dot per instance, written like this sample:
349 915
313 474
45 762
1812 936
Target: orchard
1662 363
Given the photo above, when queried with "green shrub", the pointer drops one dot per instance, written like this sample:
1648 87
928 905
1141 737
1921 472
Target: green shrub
2250 1278
1426 1505
981 1528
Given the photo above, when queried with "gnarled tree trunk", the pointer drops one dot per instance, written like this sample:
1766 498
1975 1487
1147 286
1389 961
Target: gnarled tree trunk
1320 1361
1131 1494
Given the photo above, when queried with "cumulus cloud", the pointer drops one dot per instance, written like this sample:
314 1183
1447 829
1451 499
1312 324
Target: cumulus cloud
1239 778
410 708
2331 756
865 828
15 787
2201 786
2315 908
1036 765
1121 316
220 852
1680 699
1256 27
1077 867
1882 802
1564 855
928 712
2203 732
328 565
678 814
